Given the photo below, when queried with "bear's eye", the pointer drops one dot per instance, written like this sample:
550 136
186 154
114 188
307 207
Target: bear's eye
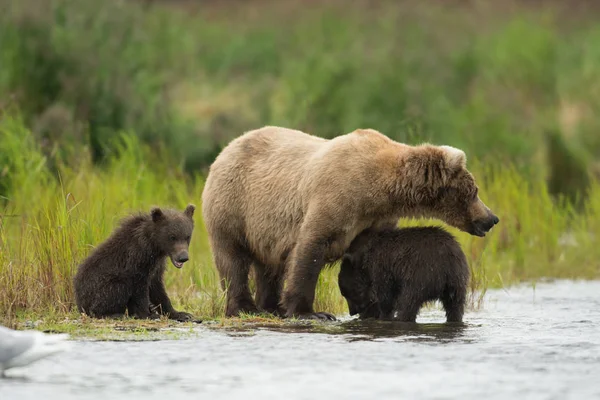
172 237
187 238
446 191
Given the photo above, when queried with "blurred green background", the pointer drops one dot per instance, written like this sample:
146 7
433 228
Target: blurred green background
109 107
511 81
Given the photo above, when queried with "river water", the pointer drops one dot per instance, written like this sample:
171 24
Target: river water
525 343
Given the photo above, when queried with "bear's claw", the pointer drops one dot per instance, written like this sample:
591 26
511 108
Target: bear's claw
181 316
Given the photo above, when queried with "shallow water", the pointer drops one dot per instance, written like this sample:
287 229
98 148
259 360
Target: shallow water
524 344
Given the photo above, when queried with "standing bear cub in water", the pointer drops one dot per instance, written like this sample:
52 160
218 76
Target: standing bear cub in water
398 270
126 271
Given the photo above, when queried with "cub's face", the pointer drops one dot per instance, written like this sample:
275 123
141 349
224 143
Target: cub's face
174 232
458 204
354 285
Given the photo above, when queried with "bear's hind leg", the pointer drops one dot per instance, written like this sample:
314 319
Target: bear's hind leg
269 284
453 300
233 263
108 301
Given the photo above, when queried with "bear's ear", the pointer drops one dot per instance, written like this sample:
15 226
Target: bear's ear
454 158
426 170
347 259
189 210
156 214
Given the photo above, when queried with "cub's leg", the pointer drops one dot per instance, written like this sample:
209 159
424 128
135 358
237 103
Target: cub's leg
407 306
139 303
453 300
160 300
108 301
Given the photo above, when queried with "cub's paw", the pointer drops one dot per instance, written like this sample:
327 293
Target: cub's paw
146 316
181 316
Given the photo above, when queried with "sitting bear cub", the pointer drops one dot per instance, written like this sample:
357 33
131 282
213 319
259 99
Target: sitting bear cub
399 269
126 271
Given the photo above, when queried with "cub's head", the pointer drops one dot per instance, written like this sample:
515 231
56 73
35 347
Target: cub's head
173 232
442 187
355 286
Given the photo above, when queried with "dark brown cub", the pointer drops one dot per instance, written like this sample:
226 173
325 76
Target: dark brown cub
390 273
125 272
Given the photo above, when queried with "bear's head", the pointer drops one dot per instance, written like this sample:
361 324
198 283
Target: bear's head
173 232
440 186
355 286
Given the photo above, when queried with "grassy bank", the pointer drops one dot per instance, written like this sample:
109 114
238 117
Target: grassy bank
52 218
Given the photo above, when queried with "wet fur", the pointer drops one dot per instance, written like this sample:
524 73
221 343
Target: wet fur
125 272
288 203
393 271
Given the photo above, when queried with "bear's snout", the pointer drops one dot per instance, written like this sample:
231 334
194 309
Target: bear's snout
482 219
179 259
483 226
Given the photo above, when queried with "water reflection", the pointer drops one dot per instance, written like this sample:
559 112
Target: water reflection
368 330
16 378
416 332
523 343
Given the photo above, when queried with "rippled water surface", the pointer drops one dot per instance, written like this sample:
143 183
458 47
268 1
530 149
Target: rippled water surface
524 344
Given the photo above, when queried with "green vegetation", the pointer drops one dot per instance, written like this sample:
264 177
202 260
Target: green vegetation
108 108
483 78
50 223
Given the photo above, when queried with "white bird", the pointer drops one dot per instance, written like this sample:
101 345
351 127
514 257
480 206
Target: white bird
21 348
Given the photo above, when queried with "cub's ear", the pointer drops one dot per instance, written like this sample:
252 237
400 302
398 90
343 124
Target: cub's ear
454 158
189 210
156 214
347 259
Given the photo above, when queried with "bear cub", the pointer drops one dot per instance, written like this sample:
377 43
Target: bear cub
125 272
397 270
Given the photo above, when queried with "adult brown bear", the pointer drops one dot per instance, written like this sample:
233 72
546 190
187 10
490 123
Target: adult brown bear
288 203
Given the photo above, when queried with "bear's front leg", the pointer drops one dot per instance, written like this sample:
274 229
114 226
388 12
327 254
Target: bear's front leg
161 302
139 303
306 263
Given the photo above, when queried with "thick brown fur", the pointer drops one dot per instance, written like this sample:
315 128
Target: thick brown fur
288 203
390 273
125 272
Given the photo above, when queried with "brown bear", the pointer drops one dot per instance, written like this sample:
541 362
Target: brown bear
392 270
287 203
125 272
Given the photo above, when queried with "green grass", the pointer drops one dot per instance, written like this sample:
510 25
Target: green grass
485 78
49 223
123 106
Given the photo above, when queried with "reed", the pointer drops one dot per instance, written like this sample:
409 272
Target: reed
51 219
